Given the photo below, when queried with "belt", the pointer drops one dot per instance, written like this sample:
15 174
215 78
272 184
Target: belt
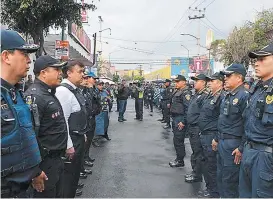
208 132
260 146
224 136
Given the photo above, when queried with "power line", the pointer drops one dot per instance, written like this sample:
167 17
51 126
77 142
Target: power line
141 41
216 31
215 26
200 3
209 4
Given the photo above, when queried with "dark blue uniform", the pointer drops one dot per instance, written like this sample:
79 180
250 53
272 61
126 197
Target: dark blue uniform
179 107
231 136
193 131
20 155
256 173
166 99
52 136
207 123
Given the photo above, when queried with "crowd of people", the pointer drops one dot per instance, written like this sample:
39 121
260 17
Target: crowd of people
50 123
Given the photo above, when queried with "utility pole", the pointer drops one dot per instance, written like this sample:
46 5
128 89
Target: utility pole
100 20
201 15
94 53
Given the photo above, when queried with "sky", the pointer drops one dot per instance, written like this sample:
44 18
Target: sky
149 30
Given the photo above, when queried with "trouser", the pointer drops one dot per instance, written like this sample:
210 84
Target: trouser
227 170
178 138
72 170
122 108
197 156
146 103
210 164
13 190
117 104
139 108
151 105
90 135
256 172
54 170
110 106
166 113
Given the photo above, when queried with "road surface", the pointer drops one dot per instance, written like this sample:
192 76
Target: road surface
135 162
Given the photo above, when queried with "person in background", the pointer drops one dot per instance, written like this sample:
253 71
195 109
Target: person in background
110 96
28 82
102 120
138 93
123 94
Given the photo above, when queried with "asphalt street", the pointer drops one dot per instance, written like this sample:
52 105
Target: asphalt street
135 162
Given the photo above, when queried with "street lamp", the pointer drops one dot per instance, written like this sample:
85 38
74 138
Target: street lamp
187 50
198 41
105 29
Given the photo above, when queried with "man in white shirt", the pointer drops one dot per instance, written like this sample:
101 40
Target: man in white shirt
73 105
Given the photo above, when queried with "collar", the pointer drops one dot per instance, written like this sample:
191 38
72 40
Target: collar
201 91
267 83
6 85
236 90
69 82
45 86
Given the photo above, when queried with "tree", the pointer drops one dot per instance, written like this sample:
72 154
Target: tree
35 17
127 77
115 78
139 78
251 36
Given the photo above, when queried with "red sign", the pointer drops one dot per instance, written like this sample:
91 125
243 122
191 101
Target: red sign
80 35
84 14
198 64
61 50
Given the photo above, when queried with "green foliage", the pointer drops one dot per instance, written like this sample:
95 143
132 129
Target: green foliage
127 77
35 17
251 36
116 78
139 78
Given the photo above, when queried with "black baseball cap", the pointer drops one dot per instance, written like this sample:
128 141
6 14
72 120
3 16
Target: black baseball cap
235 68
218 76
167 80
200 77
12 40
46 61
265 51
180 78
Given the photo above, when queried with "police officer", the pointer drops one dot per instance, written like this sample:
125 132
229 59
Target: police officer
231 131
207 123
196 103
74 108
166 97
138 93
256 179
179 106
51 129
17 134
150 95
123 94
90 91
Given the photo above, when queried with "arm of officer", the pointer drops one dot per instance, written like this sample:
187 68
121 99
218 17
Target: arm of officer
243 105
186 97
64 97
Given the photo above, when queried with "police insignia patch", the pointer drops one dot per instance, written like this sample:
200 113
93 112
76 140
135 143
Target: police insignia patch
269 99
28 100
235 101
188 97
211 102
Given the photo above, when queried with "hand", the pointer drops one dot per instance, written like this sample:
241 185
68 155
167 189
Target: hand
38 182
214 145
70 153
168 106
238 156
180 126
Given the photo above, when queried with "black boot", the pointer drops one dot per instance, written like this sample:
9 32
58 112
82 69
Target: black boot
177 163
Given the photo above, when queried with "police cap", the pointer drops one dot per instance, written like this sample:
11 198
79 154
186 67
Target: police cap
46 61
235 68
180 78
218 76
200 77
265 51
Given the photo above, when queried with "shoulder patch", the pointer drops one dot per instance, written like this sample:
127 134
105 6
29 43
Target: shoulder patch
269 99
188 97
28 100
235 101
